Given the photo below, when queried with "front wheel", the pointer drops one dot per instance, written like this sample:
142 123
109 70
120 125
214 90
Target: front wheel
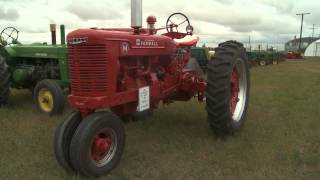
62 138
262 63
49 97
227 93
98 144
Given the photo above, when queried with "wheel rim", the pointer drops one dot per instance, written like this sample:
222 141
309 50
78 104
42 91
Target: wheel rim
103 147
238 90
262 63
45 99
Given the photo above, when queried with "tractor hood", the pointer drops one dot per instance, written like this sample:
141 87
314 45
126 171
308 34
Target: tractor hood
35 51
131 44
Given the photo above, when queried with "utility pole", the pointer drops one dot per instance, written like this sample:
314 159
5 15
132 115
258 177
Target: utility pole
313 28
302 15
250 43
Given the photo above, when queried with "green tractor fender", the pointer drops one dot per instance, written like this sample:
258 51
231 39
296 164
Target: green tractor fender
7 52
3 52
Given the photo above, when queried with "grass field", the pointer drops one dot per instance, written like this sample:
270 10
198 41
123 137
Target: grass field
280 139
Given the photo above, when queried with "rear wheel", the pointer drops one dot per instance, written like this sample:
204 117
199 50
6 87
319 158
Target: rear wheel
227 92
4 81
49 97
63 136
98 144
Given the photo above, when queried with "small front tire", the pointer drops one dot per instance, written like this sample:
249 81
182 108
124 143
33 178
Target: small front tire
262 63
63 136
49 97
97 146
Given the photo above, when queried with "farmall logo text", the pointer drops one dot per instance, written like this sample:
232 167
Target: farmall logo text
146 42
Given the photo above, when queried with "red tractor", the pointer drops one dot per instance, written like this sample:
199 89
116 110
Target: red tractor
133 70
293 55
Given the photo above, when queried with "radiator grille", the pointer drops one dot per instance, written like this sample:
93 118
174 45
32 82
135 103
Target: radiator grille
88 70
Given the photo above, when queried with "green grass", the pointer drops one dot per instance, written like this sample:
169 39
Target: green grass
280 139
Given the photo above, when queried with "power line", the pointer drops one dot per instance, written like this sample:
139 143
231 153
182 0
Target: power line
302 15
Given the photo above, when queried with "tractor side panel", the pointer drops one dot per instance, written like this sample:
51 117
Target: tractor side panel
32 63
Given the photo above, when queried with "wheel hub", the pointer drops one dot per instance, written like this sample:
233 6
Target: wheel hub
234 84
101 146
45 99
238 90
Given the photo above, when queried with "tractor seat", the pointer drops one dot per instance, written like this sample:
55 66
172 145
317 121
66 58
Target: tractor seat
189 40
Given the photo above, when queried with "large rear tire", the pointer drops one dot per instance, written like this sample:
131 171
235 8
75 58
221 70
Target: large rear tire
4 81
228 86
98 143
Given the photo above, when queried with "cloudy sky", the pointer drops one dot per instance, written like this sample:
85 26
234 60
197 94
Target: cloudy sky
265 21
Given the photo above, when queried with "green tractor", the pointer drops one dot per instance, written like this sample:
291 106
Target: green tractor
203 55
274 56
39 67
263 58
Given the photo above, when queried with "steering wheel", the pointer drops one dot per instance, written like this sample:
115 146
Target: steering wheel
177 20
9 33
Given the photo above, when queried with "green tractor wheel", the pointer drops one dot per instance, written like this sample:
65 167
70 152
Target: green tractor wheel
48 97
262 63
4 81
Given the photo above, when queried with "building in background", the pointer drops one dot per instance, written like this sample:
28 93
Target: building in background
313 50
293 45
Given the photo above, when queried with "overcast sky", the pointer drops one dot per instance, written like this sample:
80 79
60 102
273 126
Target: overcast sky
267 21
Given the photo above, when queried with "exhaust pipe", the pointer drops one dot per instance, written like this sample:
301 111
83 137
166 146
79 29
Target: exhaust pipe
136 15
53 34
